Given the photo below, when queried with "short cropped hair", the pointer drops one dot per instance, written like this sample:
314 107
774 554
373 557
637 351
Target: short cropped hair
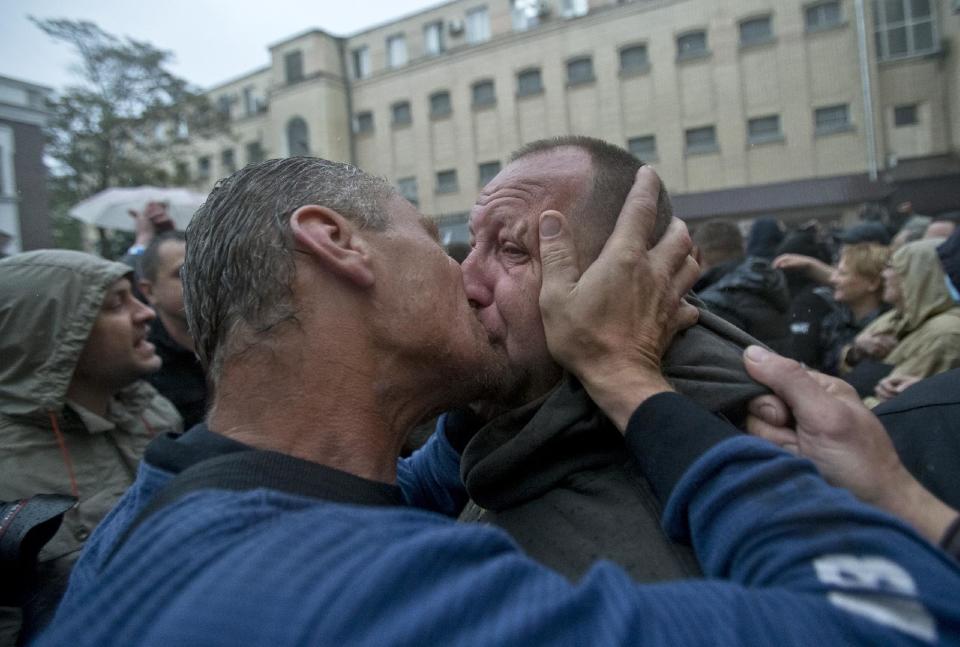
866 259
239 265
150 261
614 171
719 241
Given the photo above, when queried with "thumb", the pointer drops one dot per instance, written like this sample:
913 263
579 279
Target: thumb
785 377
558 257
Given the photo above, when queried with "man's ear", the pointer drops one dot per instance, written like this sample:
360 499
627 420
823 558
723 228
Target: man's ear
146 289
332 240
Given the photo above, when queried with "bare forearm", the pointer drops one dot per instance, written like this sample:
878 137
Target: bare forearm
916 505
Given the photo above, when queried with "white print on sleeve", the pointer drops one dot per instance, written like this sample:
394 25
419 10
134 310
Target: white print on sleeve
875 578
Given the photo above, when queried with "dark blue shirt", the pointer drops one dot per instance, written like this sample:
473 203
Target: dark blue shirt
789 559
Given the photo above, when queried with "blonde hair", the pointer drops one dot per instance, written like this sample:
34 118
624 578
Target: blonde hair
866 259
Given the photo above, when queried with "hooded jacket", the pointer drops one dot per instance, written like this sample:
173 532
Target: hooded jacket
557 476
49 301
928 323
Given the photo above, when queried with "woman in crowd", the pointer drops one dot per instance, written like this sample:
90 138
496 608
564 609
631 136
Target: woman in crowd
858 287
920 336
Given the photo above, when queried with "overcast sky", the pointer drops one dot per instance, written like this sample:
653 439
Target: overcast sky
212 41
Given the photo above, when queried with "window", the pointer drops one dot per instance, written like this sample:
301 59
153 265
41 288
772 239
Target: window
701 140
363 122
756 31
228 161
831 119
573 8
298 137
223 105
181 171
634 59
255 153
483 94
904 28
433 38
487 171
580 70
293 66
905 115
525 14
478 25
447 181
396 50
361 62
692 45
203 167
528 83
400 113
823 15
249 101
643 148
764 129
440 104
408 189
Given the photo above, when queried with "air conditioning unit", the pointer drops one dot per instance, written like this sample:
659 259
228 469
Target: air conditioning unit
456 26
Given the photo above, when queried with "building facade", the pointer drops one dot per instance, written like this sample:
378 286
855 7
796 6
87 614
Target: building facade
24 216
746 107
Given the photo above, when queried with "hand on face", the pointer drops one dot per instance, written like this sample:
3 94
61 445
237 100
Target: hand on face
611 325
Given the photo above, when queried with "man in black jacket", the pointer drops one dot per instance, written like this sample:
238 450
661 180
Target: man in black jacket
745 290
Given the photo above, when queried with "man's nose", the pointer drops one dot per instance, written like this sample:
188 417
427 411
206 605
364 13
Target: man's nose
143 313
475 282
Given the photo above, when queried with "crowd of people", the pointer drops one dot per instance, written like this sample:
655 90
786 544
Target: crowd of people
623 450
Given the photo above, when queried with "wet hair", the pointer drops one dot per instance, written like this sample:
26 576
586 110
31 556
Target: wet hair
614 171
239 265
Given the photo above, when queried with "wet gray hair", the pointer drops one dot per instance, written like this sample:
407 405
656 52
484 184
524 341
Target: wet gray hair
239 266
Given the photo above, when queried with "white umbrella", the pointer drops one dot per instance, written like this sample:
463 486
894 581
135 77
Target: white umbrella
110 209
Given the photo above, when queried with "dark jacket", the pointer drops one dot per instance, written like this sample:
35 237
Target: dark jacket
838 329
924 424
180 379
556 474
753 296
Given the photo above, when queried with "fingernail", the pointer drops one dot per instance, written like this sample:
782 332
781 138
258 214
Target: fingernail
757 354
549 225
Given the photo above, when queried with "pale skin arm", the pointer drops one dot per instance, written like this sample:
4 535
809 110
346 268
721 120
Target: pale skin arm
611 324
821 418
814 268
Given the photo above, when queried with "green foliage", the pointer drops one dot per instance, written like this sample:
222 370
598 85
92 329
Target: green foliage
121 123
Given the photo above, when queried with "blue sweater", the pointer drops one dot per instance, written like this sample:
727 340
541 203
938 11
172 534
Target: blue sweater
789 559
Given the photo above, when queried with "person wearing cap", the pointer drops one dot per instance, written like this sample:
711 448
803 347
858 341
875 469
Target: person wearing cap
75 413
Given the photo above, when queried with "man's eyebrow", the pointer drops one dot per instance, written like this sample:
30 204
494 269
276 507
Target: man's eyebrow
430 226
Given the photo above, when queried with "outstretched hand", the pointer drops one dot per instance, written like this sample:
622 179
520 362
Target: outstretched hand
822 418
611 324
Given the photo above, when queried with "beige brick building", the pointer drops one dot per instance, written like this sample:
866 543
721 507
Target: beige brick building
746 107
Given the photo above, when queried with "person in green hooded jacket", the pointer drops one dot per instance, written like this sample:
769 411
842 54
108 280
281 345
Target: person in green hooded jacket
920 336
75 415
